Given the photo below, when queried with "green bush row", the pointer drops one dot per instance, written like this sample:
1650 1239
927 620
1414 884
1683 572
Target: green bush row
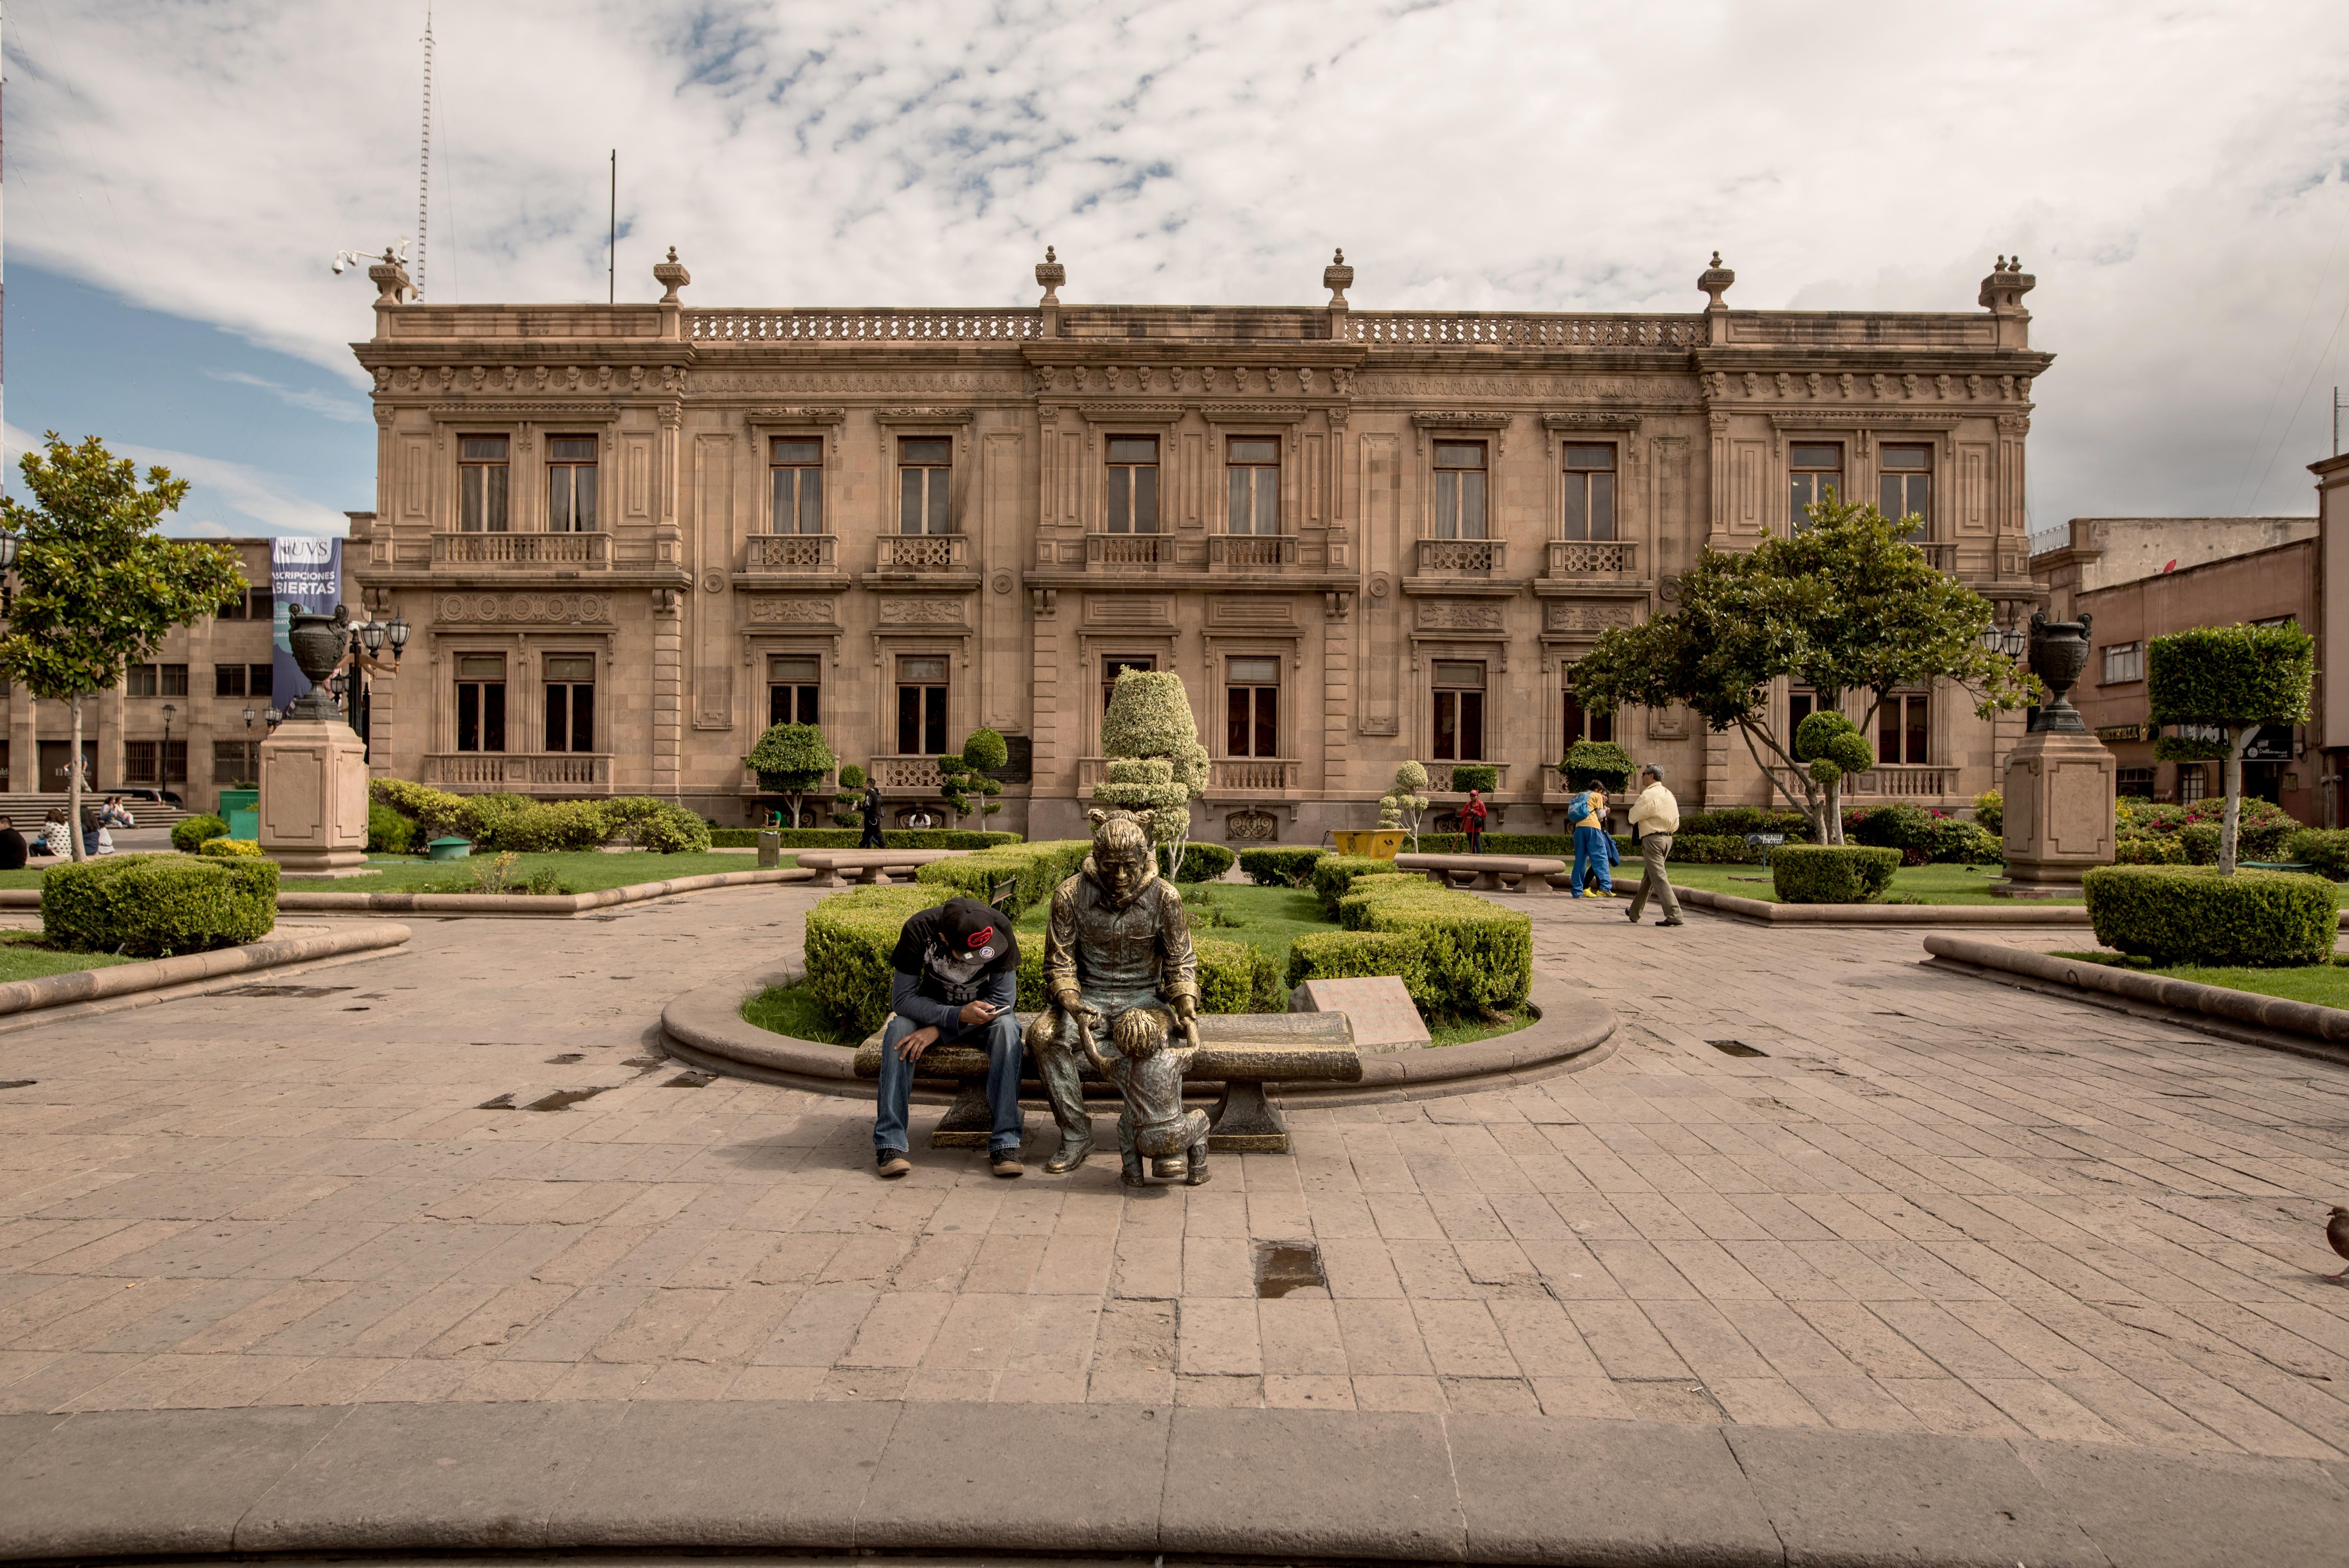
2148 850
519 823
1456 953
1333 874
1203 862
2191 914
1831 873
1922 836
1280 868
189 833
849 838
1035 868
229 849
2326 849
1711 849
152 906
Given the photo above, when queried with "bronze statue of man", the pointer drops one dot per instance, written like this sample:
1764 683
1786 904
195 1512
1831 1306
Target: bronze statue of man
1117 960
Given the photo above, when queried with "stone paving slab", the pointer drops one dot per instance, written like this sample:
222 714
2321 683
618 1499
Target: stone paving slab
1817 1186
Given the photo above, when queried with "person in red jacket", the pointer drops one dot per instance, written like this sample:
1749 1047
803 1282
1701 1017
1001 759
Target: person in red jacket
1471 823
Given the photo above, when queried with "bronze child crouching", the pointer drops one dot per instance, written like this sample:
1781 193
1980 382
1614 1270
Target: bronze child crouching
1118 954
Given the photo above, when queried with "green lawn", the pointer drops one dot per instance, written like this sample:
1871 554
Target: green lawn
793 1010
1921 884
589 871
2326 985
24 958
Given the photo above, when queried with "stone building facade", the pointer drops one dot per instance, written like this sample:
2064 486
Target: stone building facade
631 536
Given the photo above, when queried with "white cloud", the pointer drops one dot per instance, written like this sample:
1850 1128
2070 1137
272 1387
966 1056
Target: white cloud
348 411
266 503
2174 176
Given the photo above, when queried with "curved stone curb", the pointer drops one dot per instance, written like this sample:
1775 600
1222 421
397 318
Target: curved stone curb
2326 1030
963 1480
1768 914
124 979
496 906
707 1023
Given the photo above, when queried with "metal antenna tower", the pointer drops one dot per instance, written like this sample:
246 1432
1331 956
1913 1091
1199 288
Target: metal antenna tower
424 171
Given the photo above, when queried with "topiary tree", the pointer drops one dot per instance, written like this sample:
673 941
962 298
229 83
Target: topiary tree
852 796
792 760
2227 680
1597 764
1402 805
1832 747
964 774
1156 761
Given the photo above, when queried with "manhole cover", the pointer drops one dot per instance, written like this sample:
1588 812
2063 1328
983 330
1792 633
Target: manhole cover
1735 1048
1284 1266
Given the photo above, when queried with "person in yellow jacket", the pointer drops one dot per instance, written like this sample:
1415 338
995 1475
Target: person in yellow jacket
1655 818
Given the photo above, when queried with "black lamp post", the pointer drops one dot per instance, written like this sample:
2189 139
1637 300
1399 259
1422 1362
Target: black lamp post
163 763
7 565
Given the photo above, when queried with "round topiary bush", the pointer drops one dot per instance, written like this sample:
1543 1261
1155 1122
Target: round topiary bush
1204 862
1831 873
189 833
2192 915
152 906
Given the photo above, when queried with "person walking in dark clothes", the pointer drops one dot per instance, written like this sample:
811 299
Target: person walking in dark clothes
870 804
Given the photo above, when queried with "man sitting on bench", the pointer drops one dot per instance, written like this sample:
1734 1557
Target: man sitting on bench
953 976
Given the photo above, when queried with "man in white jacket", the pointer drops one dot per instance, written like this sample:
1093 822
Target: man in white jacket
1655 818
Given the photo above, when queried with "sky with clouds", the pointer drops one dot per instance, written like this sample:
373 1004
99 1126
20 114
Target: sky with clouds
2177 176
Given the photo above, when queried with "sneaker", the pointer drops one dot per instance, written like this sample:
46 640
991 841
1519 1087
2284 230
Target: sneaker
891 1162
1672 922
1632 916
1006 1162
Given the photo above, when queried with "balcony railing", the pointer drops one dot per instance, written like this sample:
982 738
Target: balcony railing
1440 780
1889 781
907 773
1942 553
522 550
785 553
1492 329
522 772
1594 560
1462 557
923 552
1149 550
821 326
1254 775
1251 551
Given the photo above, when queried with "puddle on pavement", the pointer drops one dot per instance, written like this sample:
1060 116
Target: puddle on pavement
281 991
643 1062
567 1057
1284 1266
689 1080
1735 1048
562 1097
18 1083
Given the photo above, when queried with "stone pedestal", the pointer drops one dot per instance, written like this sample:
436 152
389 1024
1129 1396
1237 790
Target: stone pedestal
2059 792
313 799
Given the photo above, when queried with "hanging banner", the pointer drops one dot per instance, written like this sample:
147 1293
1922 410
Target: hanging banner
305 573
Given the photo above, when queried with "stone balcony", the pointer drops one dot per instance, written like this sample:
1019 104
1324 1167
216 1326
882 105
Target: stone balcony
1128 551
522 552
1250 551
1461 557
790 554
519 772
907 775
922 554
1886 781
1247 778
1439 779
1603 562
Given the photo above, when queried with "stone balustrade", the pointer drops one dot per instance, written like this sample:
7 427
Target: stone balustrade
1251 551
524 551
1497 329
1129 550
820 325
1606 561
922 553
1461 557
786 553
521 772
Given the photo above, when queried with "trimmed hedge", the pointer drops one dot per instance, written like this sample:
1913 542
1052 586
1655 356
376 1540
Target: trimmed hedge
1739 821
1922 835
1349 955
1710 849
189 833
388 832
1203 862
2149 850
1037 869
229 849
152 906
1831 873
848 838
1481 777
1237 978
1333 874
1280 868
2191 914
1559 844
2326 849
517 823
1473 957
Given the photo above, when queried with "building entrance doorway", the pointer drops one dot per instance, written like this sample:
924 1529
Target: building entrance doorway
54 757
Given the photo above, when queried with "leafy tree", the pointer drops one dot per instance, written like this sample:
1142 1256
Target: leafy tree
1847 605
2229 680
1403 801
964 774
98 587
792 760
1832 748
1156 762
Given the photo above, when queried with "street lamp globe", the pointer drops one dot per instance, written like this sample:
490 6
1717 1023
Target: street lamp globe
8 550
372 635
398 631
249 715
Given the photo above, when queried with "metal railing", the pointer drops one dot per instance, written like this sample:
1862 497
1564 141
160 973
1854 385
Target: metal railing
923 552
1493 329
1245 552
1617 558
522 550
876 326
519 770
789 553
1150 550
1461 557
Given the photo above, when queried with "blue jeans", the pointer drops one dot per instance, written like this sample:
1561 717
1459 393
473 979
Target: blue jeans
1001 1041
1590 854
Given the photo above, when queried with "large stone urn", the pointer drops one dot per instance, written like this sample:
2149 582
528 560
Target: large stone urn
314 774
2060 779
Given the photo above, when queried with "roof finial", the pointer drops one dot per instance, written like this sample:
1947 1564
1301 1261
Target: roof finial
1051 275
671 277
1715 281
1338 277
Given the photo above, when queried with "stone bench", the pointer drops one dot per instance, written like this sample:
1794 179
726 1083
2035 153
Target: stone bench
1242 1051
871 866
1489 873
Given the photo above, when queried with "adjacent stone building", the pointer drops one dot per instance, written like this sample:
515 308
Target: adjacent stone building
632 536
